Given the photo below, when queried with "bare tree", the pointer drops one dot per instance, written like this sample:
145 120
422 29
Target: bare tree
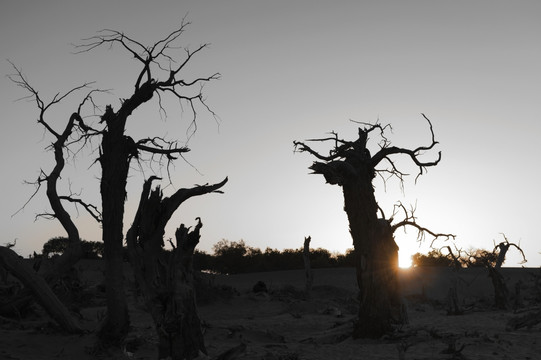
159 75
501 292
74 131
350 165
117 150
456 261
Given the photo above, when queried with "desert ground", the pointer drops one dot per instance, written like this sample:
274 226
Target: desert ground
285 323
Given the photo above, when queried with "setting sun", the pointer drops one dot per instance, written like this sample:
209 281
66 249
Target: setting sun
404 259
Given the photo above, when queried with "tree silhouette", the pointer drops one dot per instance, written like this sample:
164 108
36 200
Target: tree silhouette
160 75
350 165
74 131
493 262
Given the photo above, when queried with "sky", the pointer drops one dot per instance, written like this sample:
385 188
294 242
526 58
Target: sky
294 70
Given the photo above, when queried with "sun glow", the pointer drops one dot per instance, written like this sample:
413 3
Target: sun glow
404 259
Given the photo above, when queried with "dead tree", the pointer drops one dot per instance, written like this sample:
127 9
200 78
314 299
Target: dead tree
308 273
74 131
166 278
501 292
350 165
159 75
118 150
453 303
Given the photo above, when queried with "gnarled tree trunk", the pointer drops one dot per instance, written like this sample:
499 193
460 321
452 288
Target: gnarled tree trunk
351 166
376 262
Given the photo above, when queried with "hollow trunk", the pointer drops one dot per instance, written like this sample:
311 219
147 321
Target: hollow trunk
167 283
178 323
166 277
376 256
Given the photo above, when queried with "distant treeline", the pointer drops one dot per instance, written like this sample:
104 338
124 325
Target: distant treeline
231 257
234 257
228 257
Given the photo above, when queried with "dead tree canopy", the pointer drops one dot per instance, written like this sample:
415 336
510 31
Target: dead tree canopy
349 160
352 166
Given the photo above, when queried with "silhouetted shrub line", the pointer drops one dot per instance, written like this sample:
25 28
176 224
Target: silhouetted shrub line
235 257
469 259
231 257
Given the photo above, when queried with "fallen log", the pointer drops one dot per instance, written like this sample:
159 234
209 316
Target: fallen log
10 261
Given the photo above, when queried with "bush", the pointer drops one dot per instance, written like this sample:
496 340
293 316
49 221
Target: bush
471 258
57 245
433 258
347 259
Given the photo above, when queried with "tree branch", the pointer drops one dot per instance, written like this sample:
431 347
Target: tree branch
411 220
413 154
159 150
302 147
153 59
91 209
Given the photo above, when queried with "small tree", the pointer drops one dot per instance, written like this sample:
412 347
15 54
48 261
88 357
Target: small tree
350 165
493 262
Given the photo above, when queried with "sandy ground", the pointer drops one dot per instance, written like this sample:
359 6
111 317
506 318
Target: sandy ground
284 324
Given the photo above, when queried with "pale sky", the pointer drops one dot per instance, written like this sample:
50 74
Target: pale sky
293 70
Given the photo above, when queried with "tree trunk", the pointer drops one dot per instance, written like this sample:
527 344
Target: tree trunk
309 274
180 335
376 256
167 282
501 293
42 292
115 166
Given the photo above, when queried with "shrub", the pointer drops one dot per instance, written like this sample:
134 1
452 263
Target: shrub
433 258
57 245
